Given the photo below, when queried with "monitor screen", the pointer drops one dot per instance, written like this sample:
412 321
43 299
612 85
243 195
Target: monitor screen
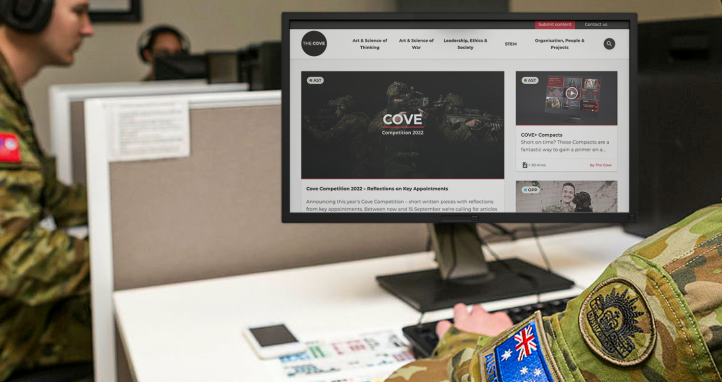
180 67
459 118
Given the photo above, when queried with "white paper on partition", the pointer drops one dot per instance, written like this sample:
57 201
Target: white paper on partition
109 5
148 128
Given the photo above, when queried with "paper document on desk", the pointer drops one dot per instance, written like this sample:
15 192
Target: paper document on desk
368 357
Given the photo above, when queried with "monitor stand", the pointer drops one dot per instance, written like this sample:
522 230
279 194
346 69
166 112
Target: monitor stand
573 119
464 276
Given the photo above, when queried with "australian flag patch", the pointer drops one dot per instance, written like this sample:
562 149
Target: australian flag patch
517 357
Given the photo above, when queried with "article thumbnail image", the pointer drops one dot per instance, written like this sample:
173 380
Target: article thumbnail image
566 92
570 97
566 196
402 125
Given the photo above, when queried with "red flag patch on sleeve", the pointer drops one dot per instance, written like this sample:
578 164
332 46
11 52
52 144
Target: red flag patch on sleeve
9 148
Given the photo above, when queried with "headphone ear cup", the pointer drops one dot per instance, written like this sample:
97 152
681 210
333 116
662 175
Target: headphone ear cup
185 44
27 16
143 42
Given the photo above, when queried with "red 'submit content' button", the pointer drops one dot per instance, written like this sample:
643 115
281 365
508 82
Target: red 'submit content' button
554 25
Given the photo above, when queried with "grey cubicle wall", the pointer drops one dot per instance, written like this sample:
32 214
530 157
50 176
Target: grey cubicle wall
67 114
218 212
77 139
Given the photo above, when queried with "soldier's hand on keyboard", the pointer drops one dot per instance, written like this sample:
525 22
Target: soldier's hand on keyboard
477 321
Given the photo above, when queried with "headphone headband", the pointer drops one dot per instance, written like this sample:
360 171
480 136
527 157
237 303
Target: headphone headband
27 16
148 37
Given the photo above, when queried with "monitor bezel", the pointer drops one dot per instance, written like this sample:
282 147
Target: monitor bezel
489 217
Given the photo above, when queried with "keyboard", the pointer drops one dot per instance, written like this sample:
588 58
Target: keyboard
423 337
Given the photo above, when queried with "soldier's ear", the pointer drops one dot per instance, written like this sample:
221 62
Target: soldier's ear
148 56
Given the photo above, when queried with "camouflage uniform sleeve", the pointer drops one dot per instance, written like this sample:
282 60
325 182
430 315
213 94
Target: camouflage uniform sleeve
455 345
67 204
653 315
456 340
38 266
377 123
489 136
453 136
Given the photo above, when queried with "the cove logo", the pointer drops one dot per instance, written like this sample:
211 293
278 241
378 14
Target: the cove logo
405 119
313 43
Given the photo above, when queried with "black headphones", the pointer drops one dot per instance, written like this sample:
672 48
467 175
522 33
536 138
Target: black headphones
28 16
146 40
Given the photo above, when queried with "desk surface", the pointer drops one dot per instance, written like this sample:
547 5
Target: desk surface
192 331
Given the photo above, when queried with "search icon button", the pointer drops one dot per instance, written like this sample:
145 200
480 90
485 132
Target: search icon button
609 44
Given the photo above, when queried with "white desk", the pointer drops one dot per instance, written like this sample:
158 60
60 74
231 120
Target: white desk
192 331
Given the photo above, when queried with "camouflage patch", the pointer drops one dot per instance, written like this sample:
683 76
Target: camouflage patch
616 323
521 353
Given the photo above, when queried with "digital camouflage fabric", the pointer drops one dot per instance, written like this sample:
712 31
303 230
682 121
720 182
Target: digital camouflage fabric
559 207
655 314
44 275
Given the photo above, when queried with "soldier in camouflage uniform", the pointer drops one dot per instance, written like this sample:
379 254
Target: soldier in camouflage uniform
44 274
655 314
399 153
351 129
565 204
462 132
459 147
457 144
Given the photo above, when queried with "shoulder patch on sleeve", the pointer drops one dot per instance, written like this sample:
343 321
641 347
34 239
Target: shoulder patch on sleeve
519 354
616 323
9 148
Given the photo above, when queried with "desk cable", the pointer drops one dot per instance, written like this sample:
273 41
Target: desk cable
498 259
502 232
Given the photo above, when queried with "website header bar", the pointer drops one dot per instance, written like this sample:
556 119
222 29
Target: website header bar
434 44
442 24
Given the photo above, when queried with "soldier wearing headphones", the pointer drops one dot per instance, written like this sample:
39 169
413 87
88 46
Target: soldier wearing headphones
44 274
161 41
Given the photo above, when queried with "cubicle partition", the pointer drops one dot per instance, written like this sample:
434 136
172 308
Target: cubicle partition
214 213
67 120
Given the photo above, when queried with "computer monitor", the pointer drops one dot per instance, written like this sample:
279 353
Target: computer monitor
224 67
180 67
441 119
262 66
676 57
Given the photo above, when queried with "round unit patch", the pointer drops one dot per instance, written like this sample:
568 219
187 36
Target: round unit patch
11 144
616 323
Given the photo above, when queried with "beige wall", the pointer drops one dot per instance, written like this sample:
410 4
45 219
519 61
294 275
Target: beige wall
647 10
111 56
